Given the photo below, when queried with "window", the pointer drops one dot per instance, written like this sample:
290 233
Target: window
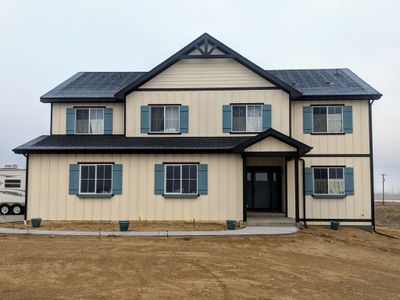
95 179
181 179
89 121
164 119
327 119
328 181
12 183
247 118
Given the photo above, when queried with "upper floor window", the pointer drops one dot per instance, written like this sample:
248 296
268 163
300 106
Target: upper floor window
246 118
328 181
89 121
165 118
327 119
12 183
181 179
95 179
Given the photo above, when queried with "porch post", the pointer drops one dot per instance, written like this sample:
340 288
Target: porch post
296 187
244 188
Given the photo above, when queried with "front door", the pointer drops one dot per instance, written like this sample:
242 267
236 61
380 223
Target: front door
264 189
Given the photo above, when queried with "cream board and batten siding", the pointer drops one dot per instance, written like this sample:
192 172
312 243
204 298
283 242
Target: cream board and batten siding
205 108
270 144
59 115
206 73
351 143
357 206
49 198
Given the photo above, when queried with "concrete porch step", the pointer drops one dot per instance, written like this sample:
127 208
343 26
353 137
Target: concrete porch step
274 221
264 215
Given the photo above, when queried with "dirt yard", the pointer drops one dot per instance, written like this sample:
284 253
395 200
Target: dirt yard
313 263
114 226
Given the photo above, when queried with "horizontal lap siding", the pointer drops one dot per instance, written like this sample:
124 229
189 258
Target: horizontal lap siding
49 198
357 206
354 143
191 73
205 108
60 111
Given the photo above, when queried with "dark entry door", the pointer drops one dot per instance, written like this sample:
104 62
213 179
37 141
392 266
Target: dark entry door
264 189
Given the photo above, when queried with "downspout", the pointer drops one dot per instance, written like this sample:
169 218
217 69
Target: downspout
304 193
371 165
26 187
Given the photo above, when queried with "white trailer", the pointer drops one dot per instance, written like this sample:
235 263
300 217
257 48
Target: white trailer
12 190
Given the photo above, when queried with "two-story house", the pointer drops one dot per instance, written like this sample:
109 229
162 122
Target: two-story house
205 135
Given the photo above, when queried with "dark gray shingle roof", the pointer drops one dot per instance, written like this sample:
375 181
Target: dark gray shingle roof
323 83
312 83
116 143
91 85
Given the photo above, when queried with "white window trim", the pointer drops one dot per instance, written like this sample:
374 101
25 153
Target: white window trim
327 119
88 108
328 194
180 179
164 106
246 105
95 179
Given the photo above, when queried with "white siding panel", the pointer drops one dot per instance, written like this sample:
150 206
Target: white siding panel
60 112
354 143
357 206
49 198
205 108
204 73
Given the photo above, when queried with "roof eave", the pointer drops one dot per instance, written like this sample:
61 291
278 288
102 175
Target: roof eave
79 99
338 97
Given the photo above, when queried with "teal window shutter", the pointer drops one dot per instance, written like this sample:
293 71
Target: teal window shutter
307 119
117 179
202 179
184 118
108 120
308 181
144 119
349 181
73 179
267 116
348 119
159 179
70 126
226 118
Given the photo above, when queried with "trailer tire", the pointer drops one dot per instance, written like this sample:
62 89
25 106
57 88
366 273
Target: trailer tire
5 209
16 209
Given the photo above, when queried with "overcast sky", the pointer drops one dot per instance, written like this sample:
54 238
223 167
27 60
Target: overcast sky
42 43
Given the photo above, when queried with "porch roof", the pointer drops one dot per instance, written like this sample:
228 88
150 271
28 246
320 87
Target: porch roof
122 144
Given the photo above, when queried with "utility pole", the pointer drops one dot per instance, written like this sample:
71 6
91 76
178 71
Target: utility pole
383 188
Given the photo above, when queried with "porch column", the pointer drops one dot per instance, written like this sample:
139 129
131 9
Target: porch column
244 158
296 187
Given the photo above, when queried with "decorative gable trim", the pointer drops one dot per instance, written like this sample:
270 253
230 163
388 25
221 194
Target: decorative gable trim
210 44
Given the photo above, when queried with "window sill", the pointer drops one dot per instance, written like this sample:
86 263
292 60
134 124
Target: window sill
245 132
180 196
328 196
328 133
95 196
164 133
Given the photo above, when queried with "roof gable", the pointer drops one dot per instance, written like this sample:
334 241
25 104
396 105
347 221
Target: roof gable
270 144
301 148
206 45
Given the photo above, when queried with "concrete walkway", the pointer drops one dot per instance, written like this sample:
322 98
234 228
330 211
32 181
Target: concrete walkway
250 230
